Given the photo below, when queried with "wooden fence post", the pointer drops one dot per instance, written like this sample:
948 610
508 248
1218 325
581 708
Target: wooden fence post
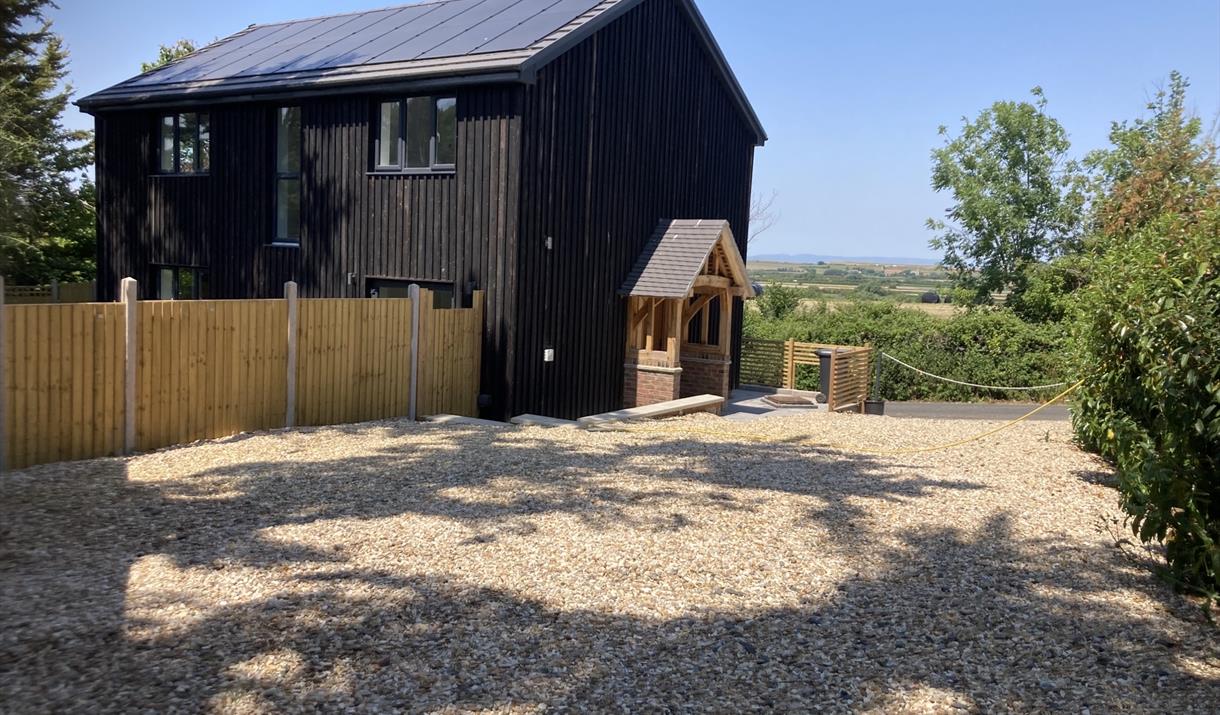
128 294
290 295
790 364
413 292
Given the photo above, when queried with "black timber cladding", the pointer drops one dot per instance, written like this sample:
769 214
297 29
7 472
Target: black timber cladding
633 125
672 258
617 129
457 227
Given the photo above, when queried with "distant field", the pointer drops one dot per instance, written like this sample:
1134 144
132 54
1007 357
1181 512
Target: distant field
939 310
936 310
900 284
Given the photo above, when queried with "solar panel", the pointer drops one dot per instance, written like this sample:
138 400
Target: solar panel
427 30
439 33
538 26
298 33
504 21
321 54
437 14
194 66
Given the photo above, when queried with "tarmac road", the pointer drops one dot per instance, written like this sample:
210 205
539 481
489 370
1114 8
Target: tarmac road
1000 411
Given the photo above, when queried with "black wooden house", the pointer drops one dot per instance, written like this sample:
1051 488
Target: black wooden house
538 150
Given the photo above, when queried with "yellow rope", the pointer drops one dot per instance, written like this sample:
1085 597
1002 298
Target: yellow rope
863 450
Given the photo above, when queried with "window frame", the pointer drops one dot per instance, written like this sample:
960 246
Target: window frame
199 277
434 167
442 291
280 176
201 119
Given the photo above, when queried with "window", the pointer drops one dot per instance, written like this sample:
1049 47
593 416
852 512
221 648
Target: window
182 283
417 134
185 145
443 296
288 176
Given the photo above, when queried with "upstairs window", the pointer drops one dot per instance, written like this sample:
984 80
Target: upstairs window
186 144
288 176
417 134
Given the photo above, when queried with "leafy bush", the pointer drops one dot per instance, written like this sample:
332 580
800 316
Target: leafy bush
1149 343
778 301
985 345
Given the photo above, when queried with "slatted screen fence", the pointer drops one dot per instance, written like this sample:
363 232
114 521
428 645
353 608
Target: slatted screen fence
775 363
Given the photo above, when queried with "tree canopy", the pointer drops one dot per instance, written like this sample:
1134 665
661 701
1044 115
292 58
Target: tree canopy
46 198
1018 198
169 53
1161 163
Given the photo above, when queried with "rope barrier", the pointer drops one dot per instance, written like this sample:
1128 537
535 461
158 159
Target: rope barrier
845 448
969 384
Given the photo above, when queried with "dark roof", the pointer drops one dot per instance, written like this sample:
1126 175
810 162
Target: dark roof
674 255
445 41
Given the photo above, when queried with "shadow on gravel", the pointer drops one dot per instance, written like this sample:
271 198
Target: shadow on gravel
949 613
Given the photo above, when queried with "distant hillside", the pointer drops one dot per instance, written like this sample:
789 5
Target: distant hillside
810 258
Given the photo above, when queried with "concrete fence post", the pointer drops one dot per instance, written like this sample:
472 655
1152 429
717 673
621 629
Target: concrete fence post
413 292
54 290
128 294
290 295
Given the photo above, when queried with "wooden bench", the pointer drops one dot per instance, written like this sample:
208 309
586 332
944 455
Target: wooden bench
671 408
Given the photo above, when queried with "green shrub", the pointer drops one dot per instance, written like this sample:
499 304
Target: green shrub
778 301
985 345
1149 344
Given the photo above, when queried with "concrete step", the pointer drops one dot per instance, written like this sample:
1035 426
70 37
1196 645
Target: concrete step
460 420
540 421
671 408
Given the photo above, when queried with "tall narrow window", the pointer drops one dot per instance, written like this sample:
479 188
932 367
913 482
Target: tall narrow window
204 160
288 175
185 144
446 132
387 135
167 144
417 134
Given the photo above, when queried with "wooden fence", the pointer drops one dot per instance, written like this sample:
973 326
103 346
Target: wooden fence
206 369
776 363
54 293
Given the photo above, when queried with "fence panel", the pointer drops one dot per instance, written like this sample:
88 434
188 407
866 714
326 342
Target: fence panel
779 363
762 362
55 293
64 382
450 352
209 369
354 360
850 378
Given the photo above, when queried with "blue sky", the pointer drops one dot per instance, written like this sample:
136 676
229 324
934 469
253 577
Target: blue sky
851 93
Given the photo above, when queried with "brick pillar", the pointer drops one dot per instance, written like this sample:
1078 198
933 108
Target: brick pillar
648 385
705 376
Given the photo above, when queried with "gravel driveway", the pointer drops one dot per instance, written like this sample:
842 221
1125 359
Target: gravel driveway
398 566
